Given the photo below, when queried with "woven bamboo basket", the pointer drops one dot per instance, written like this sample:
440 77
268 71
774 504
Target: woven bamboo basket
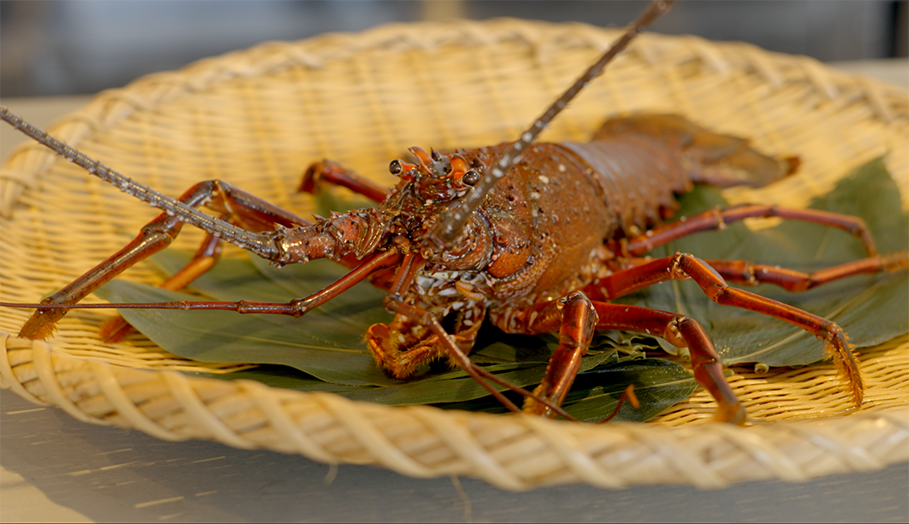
256 117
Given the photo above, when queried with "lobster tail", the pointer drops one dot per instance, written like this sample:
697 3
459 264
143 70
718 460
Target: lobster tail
709 158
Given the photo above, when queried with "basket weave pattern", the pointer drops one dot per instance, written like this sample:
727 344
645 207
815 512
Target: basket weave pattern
255 118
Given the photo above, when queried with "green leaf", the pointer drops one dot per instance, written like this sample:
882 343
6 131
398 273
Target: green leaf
327 344
658 384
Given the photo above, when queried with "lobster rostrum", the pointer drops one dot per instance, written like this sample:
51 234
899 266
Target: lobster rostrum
533 237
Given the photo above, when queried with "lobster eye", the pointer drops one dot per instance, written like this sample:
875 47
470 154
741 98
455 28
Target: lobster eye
395 167
471 177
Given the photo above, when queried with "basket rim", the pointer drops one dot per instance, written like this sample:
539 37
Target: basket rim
110 107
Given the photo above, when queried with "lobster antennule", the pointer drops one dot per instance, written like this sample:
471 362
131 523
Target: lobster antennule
447 230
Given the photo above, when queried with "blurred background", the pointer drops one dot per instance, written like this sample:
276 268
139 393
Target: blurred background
66 47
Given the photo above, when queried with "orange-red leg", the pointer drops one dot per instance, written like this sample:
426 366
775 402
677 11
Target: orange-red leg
240 206
719 218
682 266
327 171
262 219
576 317
748 273
681 331
317 174
209 253
578 322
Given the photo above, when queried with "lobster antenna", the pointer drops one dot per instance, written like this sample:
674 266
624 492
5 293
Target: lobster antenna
262 245
452 224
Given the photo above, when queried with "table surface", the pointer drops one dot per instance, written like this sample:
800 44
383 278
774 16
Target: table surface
55 468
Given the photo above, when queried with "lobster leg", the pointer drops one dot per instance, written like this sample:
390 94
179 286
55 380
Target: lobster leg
576 317
327 171
749 274
719 218
241 206
117 328
682 266
209 252
236 210
681 331
578 323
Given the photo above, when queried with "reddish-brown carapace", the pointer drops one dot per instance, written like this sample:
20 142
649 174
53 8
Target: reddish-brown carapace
532 237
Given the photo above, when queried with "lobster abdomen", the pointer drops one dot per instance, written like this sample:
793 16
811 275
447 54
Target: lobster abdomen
639 179
641 162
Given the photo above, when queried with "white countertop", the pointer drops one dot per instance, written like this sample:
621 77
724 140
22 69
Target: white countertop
55 468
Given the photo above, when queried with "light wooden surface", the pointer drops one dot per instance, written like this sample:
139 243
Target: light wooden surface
54 468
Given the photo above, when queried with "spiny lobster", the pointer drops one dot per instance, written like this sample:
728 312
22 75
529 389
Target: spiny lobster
536 238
